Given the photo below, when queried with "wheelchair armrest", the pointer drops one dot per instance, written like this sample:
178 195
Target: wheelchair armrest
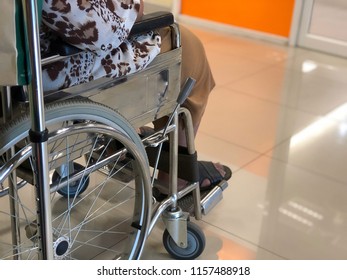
152 21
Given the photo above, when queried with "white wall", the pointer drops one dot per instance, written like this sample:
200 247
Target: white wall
164 3
173 6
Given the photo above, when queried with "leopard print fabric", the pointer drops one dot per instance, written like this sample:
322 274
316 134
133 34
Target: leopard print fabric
101 29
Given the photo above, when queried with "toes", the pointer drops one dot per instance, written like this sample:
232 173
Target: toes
220 168
205 183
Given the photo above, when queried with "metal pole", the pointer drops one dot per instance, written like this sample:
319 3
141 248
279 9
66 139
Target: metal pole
174 160
12 188
38 132
190 140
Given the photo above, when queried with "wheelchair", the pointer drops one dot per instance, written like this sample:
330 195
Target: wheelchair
77 178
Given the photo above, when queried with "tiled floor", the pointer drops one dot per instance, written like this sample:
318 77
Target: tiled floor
278 118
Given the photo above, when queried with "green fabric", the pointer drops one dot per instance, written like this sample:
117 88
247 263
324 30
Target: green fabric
23 72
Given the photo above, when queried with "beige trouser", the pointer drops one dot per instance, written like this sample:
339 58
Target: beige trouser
194 65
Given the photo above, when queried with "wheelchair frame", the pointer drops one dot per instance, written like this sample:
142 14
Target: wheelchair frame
159 78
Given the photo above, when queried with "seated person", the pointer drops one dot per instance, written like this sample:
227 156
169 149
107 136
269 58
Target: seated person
101 28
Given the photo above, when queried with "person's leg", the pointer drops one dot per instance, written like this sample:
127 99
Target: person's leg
196 66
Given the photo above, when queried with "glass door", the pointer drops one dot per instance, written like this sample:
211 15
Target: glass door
324 26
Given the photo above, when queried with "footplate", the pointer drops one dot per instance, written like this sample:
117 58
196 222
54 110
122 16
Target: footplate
209 199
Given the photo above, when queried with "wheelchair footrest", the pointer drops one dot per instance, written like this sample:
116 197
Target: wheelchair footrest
209 199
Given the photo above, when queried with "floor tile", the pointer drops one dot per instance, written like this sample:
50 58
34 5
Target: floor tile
220 245
241 210
320 147
222 151
249 122
309 92
305 214
228 68
278 118
245 47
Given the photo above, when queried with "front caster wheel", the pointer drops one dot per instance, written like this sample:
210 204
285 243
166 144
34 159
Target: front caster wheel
196 244
75 188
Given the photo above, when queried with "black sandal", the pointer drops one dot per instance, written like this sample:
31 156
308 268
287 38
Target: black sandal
207 170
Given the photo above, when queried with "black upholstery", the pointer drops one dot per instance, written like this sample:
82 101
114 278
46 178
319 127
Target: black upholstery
152 21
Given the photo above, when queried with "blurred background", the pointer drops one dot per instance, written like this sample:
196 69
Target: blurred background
278 118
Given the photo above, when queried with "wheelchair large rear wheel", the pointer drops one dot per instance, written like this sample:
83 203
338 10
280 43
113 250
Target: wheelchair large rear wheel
106 212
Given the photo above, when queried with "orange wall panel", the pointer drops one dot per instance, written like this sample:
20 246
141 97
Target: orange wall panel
270 16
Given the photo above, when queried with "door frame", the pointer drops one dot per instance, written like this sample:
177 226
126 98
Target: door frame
299 35
296 21
176 7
